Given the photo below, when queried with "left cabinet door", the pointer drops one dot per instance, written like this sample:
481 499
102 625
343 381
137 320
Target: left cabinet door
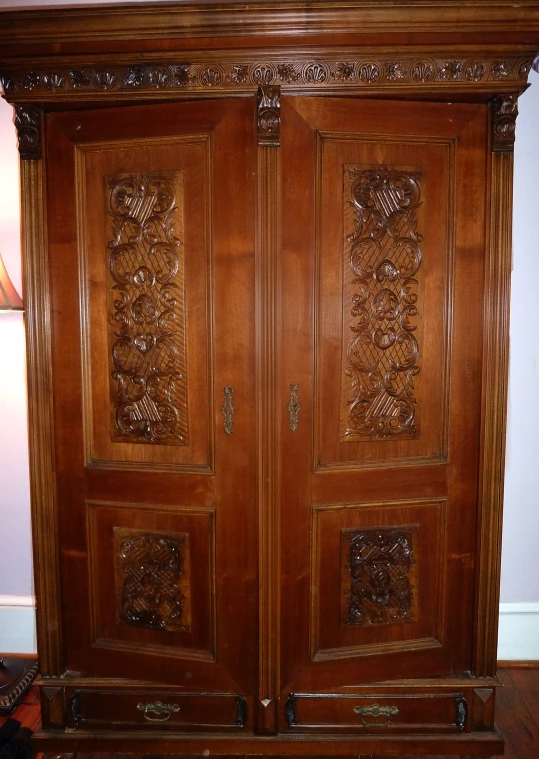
150 215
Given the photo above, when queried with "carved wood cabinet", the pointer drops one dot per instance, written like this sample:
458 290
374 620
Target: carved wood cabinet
267 259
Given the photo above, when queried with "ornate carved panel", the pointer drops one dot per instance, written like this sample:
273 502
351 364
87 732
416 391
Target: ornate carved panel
382 259
152 579
146 305
379 575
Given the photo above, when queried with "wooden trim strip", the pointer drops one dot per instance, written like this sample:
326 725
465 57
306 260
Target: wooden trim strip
513 664
495 381
40 410
269 412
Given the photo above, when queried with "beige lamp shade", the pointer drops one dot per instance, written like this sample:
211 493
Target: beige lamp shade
10 299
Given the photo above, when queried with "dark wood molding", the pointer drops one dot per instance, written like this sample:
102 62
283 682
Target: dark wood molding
298 19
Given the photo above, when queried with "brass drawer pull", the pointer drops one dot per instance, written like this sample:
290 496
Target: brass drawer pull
376 711
293 407
228 410
163 711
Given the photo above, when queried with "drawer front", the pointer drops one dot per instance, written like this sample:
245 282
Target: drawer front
380 712
157 710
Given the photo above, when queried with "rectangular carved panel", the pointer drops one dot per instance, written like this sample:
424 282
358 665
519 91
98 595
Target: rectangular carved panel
152 579
379 575
382 254
148 381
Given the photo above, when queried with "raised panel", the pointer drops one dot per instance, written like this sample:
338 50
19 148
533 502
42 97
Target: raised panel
152 575
378 578
145 273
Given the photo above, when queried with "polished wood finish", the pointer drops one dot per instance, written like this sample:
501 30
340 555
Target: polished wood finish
268 250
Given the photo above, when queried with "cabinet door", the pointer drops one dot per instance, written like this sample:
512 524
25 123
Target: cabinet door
382 290
151 246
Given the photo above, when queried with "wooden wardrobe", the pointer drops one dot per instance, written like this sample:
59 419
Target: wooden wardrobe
267 254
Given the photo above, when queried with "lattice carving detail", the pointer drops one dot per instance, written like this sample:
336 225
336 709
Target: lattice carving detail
152 579
383 256
380 567
147 314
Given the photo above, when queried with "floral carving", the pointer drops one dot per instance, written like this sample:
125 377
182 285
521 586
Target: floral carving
239 74
450 71
475 71
394 71
344 72
151 579
263 75
148 364
384 256
287 73
210 76
380 568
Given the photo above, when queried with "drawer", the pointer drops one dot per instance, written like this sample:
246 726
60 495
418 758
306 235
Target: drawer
442 712
148 709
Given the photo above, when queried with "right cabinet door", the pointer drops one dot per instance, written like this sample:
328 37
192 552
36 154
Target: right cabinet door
383 223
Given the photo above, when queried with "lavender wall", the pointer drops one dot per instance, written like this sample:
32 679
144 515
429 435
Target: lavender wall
15 554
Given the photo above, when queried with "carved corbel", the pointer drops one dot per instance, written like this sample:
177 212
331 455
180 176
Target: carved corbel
269 116
28 126
504 117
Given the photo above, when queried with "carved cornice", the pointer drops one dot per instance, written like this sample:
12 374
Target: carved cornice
28 126
268 116
504 117
292 72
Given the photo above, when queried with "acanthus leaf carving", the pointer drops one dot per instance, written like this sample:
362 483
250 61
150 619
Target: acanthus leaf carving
505 112
269 115
28 126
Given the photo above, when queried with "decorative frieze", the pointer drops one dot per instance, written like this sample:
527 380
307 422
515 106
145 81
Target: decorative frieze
328 73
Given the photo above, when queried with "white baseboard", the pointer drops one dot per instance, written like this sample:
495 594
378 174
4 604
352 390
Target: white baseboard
518 636
17 625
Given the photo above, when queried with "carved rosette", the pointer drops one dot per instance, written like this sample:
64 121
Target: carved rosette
28 126
147 314
505 112
152 579
382 258
269 116
380 575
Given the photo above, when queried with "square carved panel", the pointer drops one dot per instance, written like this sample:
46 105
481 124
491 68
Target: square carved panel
379 575
152 579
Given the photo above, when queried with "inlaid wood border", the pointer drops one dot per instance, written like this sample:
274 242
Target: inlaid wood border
494 409
40 415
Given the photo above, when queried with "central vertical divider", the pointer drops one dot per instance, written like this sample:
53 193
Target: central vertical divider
269 409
